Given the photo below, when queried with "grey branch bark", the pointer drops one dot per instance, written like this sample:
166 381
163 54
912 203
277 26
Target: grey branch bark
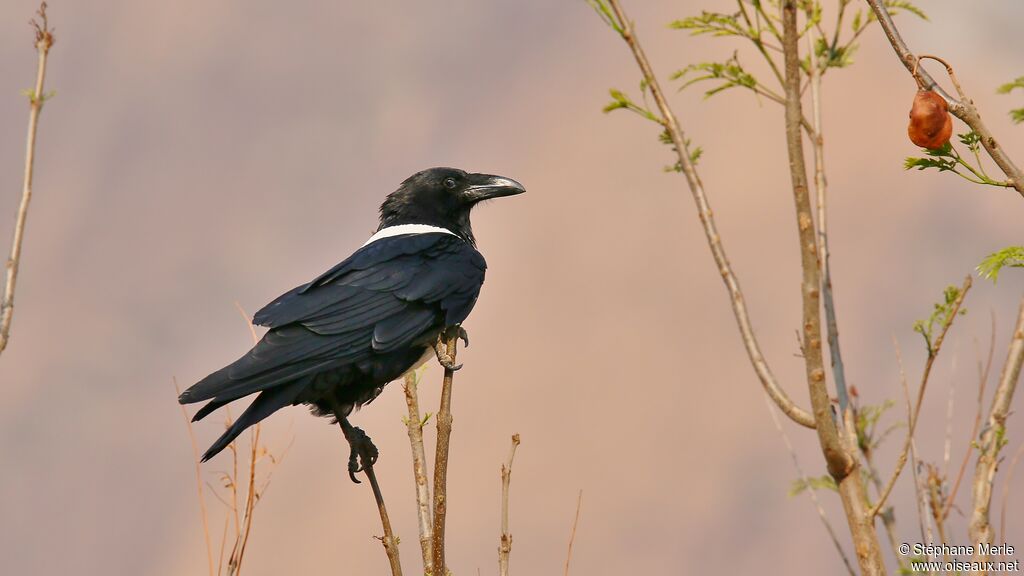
992 440
44 41
963 108
624 27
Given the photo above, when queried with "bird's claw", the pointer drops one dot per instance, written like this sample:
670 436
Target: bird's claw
363 455
440 347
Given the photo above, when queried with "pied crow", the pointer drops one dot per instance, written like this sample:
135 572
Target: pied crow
335 342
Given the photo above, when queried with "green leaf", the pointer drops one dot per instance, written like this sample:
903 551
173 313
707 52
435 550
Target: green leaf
605 12
1017 114
971 140
1010 86
730 73
942 164
897 6
695 155
619 100
941 312
713 23
1011 256
821 482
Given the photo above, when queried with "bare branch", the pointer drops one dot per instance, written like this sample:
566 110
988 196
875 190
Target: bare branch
1006 492
572 534
444 433
933 352
388 540
414 424
841 465
810 490
821 189
983 373
505 544
963 108
199 481
44 41
619 22
838 461
993 437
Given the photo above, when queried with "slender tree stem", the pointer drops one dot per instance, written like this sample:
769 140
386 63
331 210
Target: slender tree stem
199 482
821 190
572 534
616 17
933 353
841 465
810 489
44 41
962 108
444 433
982 380
419 468
505 544
993 437
388 540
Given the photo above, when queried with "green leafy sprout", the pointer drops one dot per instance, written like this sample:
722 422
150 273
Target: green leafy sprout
1009 257
1017 115
940 315
947 159
812 483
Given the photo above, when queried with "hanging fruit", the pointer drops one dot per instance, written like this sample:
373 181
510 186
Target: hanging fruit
930 122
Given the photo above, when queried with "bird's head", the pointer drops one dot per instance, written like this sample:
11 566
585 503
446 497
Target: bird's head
443 197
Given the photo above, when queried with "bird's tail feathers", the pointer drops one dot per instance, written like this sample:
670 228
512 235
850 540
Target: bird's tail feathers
268 402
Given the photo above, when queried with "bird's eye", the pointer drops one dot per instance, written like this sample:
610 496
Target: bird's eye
449 183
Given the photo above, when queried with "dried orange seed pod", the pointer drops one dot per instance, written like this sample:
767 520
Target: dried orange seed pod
930 122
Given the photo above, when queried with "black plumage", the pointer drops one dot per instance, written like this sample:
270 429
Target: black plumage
335 342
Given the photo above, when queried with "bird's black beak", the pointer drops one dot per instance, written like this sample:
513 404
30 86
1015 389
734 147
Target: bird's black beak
486 186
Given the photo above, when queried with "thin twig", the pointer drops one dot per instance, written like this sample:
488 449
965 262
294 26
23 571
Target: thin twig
921 516
444 433
250 498
842 466
572 534
1006 492
414 424
821 189
44 41
982 380
199 481
933 352
388 540
810 490
248 322
223 542
963 108
993 437
616 17
839 462
505 544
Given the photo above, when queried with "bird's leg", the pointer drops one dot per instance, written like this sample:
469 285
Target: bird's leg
440 347
363 453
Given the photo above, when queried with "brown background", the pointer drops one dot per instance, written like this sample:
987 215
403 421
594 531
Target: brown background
201 153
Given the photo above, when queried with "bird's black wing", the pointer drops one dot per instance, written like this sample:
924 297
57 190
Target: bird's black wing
382 298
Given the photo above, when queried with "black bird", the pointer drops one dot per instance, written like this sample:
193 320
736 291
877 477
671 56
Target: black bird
335 342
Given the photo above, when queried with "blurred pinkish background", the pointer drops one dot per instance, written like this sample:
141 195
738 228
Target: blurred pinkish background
202 153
